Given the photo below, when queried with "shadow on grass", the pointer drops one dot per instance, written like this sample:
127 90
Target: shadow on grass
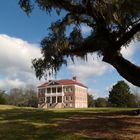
34 124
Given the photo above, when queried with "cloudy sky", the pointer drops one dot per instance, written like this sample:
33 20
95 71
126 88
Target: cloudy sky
20 36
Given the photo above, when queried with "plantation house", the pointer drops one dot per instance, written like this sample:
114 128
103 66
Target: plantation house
62 94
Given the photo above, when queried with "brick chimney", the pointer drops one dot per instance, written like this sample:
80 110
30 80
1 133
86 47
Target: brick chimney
74 78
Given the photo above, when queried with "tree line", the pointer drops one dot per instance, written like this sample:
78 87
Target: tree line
20 97
120 95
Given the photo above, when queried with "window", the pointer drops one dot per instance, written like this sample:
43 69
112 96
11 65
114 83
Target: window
48 90
67 97
53 90
71 98
59 89
42 91
70 89
65 89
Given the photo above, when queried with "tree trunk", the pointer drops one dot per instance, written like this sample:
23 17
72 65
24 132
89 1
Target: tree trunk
125 68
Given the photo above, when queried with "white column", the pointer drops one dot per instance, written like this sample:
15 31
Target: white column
62 90
51 95
56 90
56 99
51 99
62 93
62 98
45 99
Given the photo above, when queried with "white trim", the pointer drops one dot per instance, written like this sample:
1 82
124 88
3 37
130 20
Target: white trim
56 99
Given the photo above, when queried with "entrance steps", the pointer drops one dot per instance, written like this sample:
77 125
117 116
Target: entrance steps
54 105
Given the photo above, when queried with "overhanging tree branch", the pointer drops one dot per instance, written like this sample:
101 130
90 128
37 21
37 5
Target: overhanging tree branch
62 4
125 68
127 36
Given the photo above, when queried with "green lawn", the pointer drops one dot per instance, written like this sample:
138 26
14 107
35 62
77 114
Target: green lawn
18 123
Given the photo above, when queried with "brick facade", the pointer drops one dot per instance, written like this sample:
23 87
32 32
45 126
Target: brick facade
62 94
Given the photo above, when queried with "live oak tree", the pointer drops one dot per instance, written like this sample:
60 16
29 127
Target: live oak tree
114 24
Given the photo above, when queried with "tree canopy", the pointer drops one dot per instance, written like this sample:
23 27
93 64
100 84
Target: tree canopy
101 102
114 24
120 95
90 100
2 99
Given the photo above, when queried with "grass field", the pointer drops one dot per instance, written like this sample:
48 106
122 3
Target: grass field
18 123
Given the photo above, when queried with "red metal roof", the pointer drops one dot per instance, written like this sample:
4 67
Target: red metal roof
63 82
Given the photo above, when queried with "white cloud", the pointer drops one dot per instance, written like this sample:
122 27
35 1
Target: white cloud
15 62
129 51
9 83
94 66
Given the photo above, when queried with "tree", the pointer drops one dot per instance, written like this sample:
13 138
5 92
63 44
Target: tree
30 97
120 95
15 97
114 24
90 100
2 98
136 92
23 97
101 102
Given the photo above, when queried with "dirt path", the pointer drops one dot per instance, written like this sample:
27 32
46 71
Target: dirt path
113 126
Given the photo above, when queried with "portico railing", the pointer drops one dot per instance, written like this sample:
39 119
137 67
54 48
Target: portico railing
54 94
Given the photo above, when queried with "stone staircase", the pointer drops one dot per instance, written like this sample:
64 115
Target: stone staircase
51 106
41 105
59 105
45 106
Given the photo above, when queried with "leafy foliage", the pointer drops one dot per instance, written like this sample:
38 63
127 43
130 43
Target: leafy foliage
120 95
114 24
2 98
90 100
101 102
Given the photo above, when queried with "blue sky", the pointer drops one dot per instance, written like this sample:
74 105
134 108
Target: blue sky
20 36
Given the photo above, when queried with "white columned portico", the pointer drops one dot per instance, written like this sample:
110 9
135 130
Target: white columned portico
54 95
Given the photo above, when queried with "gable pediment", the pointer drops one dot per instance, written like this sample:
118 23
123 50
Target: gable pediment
53 83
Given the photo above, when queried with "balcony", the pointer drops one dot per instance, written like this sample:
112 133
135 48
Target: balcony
55 94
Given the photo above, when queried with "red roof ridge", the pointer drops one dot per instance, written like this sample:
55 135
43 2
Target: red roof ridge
64 82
